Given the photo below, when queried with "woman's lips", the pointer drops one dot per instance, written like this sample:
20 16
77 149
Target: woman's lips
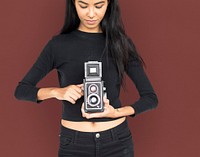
91 22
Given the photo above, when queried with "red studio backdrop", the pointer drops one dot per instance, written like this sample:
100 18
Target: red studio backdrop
167 35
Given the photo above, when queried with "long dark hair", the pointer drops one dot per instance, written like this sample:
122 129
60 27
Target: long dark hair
117 42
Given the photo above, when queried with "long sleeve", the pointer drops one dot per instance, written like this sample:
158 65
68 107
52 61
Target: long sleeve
148 98
27 89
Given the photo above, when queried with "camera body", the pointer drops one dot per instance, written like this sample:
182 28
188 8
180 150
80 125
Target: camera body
94 89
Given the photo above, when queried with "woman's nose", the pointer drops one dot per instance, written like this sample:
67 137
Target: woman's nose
91 13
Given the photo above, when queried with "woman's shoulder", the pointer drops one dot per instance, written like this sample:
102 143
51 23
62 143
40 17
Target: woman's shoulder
62 38
60 41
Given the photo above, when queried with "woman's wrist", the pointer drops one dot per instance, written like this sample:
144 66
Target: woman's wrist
124 111
54 92
117 113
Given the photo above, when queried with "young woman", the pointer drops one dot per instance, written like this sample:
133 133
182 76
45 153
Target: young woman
93 31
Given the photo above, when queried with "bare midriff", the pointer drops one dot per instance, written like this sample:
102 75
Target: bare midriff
92 126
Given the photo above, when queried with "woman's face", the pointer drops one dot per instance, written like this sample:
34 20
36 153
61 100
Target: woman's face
90 13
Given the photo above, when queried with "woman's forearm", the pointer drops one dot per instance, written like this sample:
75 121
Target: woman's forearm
46 93
70 93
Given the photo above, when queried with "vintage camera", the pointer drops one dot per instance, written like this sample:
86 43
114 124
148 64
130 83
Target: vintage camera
94 89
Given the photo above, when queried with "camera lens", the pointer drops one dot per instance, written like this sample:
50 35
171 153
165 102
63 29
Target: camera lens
93 88
93 100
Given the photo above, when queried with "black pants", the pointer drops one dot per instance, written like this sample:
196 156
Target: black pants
115 142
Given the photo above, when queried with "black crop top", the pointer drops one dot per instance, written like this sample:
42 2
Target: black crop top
67 53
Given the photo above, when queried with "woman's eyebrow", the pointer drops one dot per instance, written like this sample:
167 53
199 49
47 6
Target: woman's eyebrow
82 2
95 3
99 2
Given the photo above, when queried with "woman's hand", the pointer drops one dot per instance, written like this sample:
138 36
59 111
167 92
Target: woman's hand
70 93
108 112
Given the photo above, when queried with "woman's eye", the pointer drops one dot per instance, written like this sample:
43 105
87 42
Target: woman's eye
83 6
99 7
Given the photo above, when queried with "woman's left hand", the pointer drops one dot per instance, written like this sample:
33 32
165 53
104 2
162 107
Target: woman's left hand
109 111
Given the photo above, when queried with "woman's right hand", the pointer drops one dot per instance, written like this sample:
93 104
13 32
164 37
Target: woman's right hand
70 93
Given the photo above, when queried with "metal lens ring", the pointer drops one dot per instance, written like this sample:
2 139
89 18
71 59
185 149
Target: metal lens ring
93 88
93 100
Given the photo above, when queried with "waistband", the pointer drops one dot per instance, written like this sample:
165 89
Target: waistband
91 137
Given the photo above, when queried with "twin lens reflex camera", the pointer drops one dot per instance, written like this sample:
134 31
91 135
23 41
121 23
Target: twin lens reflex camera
94 89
